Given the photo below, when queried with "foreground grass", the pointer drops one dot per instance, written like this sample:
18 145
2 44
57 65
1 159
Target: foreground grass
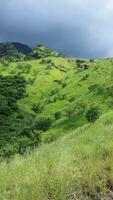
78 166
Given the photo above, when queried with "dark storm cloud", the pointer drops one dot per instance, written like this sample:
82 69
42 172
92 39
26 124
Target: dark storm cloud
81 28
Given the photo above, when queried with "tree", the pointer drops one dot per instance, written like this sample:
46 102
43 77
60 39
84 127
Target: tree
57 115
42 123
23 143
93 113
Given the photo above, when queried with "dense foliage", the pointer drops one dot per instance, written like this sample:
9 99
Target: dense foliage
41 52
10 52
12 88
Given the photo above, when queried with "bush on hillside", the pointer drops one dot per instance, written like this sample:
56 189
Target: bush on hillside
55 91
46 61
24 68
86 66
58 81
12 88
74 109
23 144
8 151
4 62
92 60
4 107
26 131
42 123
79 63
102 90
37 108
70 98
109 91
57 115
93 113
85 77
93 87
62 96
28 141
64 84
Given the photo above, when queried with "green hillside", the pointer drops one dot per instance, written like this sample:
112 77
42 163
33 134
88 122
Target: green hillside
48 96
78 166
56 124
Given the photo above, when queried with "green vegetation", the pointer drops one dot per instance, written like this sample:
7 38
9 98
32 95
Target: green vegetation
9 51
93 114
61 92
57 110
41 52
76 166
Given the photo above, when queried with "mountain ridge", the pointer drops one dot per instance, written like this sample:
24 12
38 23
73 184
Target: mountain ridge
15 51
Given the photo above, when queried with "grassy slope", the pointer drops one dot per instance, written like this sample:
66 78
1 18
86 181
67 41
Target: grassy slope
78 166
76 82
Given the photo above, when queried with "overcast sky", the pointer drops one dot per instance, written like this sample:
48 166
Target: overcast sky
80 28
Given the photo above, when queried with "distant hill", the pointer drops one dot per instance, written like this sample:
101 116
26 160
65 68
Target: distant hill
9 51
41 51
14 51
23 48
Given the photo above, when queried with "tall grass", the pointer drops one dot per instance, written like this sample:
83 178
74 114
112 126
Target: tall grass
78 166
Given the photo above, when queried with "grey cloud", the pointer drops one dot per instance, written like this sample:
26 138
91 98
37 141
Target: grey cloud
80 28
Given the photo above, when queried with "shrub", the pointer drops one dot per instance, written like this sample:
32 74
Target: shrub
93 87
92 60
64 84
71 98
30 132
23 143
84 77
42 123
25 68
57 115
62 96
46 61
4 62
58 81
12 88
55 91
4 108
74 109
109 91
8 151
37 108
86 66
93 113
26 131
79 63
